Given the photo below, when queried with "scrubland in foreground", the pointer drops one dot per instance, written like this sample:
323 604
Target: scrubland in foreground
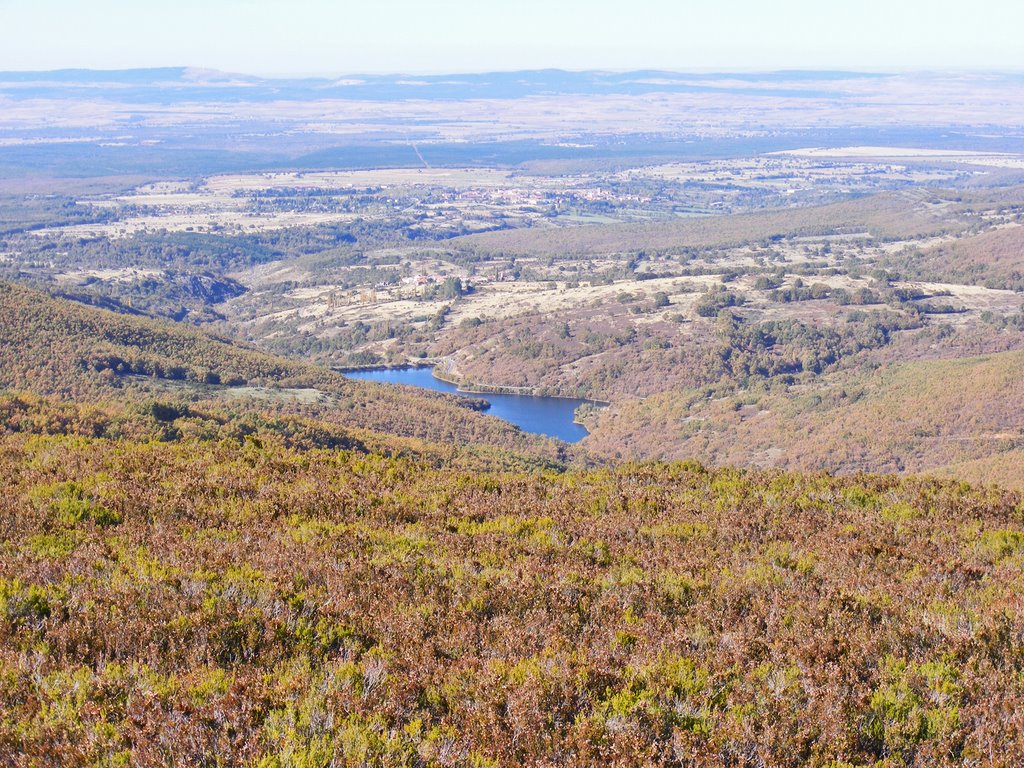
238 602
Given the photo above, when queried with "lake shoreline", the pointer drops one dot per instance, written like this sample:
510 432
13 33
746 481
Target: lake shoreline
471 388
552 416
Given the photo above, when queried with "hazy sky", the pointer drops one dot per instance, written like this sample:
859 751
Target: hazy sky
347 36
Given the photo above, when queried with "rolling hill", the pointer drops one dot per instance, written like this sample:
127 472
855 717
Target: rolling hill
994 259
882 216
957 416
56 347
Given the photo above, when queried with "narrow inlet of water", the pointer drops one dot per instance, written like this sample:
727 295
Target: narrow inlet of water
549 416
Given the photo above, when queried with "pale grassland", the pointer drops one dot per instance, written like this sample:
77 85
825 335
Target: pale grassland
990 159
464 178
225 204
505 300
223 222
276 394
327 306
785 170
562 286
126 274
492 301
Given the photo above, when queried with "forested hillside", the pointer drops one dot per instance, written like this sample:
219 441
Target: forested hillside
959 418
57 347
994 259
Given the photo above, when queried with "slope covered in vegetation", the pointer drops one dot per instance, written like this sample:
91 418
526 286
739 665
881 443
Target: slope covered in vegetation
236 603
885 216
959 415
57 347
994 259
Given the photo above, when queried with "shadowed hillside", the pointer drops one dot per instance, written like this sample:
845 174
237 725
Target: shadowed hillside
54 346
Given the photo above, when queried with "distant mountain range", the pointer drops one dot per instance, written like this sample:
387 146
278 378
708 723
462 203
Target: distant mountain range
182 83
79 122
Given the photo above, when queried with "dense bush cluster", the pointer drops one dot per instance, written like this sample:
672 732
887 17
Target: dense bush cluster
779 347
715 300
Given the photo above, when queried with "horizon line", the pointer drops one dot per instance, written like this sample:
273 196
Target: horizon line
320 74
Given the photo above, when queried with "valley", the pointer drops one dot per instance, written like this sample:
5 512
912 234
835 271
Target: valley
765 507
683 294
